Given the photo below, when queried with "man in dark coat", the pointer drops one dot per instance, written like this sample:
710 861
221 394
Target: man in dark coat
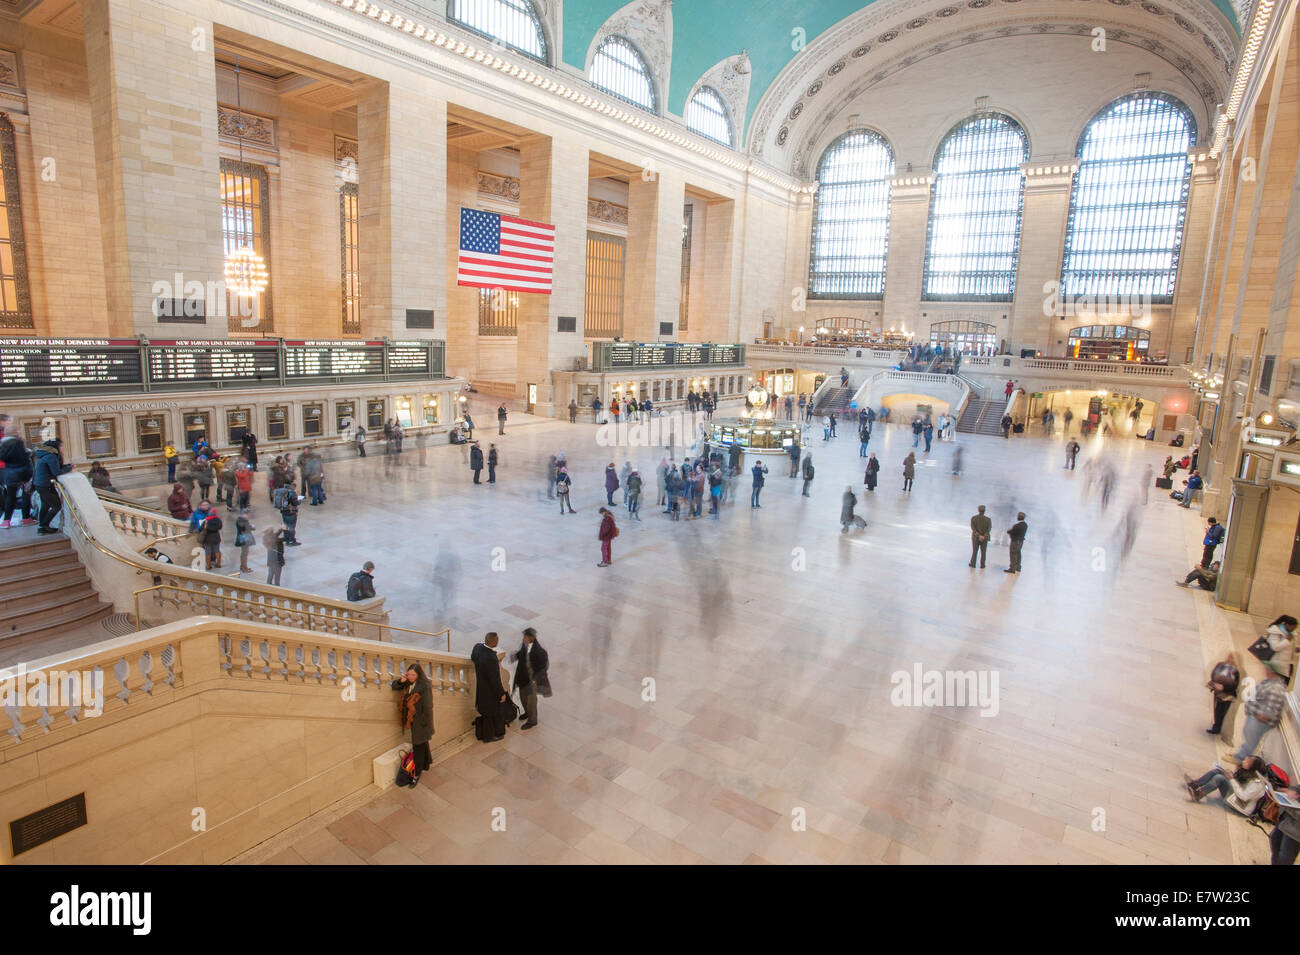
489 694
1017 535
981 529
531 676
249 441
476 461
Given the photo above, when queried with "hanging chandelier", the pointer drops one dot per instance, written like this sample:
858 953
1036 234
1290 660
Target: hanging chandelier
246 273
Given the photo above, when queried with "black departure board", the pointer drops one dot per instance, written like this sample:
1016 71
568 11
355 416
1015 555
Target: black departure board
176 362
52 362
406 358
333 359
651 354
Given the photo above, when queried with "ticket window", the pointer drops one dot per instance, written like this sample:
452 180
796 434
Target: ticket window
311 421
344 416
430 409
655 391
149 434
197 425
101 437
404 412
277 424
375 414
38 432
236 425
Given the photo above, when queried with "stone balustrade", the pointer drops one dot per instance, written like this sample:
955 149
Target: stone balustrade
256 726
160 592
142 527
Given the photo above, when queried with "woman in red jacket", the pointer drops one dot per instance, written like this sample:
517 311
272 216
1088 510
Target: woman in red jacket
608 531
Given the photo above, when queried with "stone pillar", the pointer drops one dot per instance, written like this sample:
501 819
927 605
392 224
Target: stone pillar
153 99
718 318
909 210
652 289
402 198
1042 248
1197 236
462 301
553 187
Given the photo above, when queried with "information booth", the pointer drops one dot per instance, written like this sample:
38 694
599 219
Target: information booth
760 435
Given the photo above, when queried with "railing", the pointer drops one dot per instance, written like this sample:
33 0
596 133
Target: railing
114 568
153 528
301 618
282 723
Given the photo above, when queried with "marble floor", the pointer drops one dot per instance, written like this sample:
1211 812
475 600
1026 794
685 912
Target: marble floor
772 642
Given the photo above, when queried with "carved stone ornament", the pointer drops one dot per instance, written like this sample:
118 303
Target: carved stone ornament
241 124
502 187
610 212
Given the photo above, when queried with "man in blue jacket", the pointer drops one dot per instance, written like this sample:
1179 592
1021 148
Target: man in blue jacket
1193 483
1213 538
49 465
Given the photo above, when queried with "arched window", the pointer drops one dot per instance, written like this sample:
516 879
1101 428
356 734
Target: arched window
707 115
1129 201
15 291
619 69
850 231
974 232
513 23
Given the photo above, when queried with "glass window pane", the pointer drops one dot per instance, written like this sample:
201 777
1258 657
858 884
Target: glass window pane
513 23
707 115
973 236
1129 201
850 232
619 69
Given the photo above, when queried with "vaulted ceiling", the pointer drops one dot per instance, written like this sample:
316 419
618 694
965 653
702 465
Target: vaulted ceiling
800 49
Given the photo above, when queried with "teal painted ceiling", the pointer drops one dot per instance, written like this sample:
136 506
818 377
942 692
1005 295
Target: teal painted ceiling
706 31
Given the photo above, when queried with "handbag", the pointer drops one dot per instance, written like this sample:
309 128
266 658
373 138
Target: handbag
405 767
509 712
1261 650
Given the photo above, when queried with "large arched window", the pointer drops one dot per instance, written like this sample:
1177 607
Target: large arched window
618 68
707 115
850 231
513 23
1129 201
974 231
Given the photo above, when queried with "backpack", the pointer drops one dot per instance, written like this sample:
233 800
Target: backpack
354 586
283 497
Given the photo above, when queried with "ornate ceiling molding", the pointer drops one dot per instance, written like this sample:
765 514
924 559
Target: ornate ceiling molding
861 39
730 77
814 128
649 25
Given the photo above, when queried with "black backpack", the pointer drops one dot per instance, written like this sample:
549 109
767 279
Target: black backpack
354 586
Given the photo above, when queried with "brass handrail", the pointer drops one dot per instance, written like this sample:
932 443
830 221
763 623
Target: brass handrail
446 631
162 540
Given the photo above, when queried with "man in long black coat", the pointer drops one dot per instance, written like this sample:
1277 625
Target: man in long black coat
476 461
489 694
531 675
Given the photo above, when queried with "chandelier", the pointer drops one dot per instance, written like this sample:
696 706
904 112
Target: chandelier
245 270
246 273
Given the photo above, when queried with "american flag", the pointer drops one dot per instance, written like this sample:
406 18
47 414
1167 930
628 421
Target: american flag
506 252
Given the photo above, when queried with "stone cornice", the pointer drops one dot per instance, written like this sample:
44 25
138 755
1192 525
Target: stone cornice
524 71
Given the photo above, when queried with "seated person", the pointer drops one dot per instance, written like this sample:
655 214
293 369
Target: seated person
1207 577
1150 435
153 553
1241 790
1179 438
1193 483
457 436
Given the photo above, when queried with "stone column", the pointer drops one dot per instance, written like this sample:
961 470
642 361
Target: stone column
153 99
553 187
462 301
402 198
1197 236
909 210
652 289
718 318
1042 247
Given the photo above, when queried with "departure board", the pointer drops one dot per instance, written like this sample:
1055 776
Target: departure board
725 355
174 362
333 359
405 358
69 361
621 355
651 354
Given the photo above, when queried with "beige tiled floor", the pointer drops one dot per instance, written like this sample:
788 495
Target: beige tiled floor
772 684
